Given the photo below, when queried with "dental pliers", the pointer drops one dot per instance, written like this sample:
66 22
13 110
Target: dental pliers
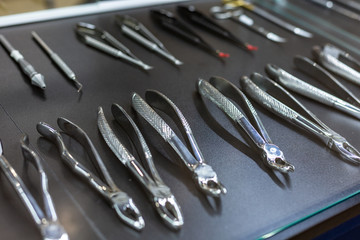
118 199
218 90
159 193
263 91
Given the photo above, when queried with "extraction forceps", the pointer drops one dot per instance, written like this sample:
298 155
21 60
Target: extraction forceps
337 8
296 85
237 14
327 79
168 21
203 174
137 31
118 199
263 91
194 16
104 41
218 90
160 194
272 18
37 79
47 221
338 61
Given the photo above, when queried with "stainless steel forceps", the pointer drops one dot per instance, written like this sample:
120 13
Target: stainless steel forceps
236 14
271 154
119 200
160 194
203 174
262 90
47 222
96 38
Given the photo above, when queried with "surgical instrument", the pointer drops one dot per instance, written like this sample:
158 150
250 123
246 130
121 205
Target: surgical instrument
218 90
349 4
160 194
263 91
167 20
337 8
137 31
237 14
203 174
268 16
36 78
336 61
295 84
47 220
100 39
118 199
324 77
57 60
195 17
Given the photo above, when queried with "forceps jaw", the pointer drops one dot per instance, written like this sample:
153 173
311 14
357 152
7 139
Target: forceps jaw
274 158
170 211
53 231
207 180
346 150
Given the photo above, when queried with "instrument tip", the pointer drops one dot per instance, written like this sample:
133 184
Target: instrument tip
223 55
251 47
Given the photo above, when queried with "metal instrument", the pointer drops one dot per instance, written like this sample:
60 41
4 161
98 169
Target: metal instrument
137 31
337 8
197 18
160 194
118 199
36 78
349 4
218 90
236 14
263 91
57 60
268 16
47 221
203 174
104 41
295 84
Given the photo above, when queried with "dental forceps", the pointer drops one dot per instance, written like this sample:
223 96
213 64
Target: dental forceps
118 199
337 61
167 20
272 18
262 90
203 174
327 79
237 14
295 84
104 41
218 90
47 221
192 15
137 31
160 194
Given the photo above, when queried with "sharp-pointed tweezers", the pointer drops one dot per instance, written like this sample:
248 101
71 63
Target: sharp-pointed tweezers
204 176
237 14
167 20
137 31
295 84
218 90
337 8
338 62
118 199
160 194
272 18
262 90
327 79
104 41
193 16
47 222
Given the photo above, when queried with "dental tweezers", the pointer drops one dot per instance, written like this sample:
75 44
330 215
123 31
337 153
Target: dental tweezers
195 17
262 90
203 174
218 90
47 221
160 194
104 41
338 62
137 31
118 199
